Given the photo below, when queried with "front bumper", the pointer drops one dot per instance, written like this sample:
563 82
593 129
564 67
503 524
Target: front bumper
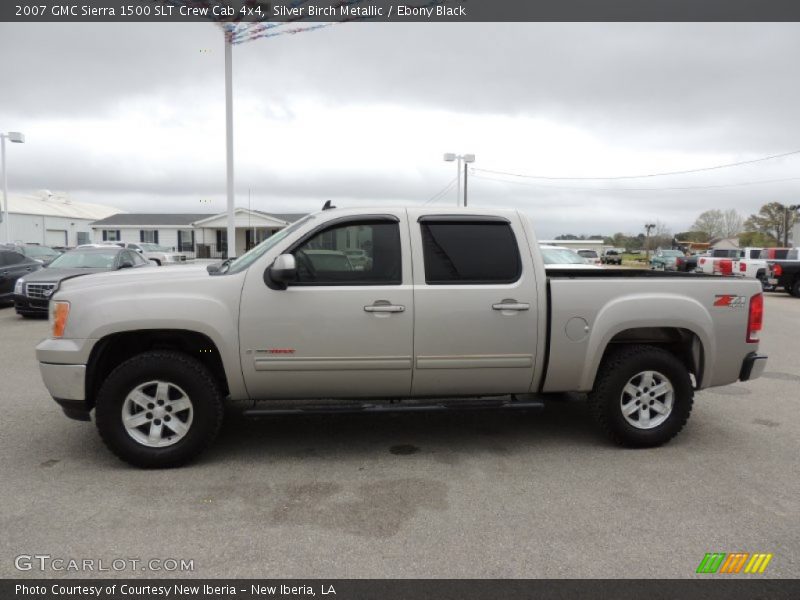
753 366
66 384
30 306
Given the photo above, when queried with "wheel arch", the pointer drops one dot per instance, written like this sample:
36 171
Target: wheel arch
113 349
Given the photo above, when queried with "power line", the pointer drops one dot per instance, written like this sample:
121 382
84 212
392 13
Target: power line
725 166
441 192
650 189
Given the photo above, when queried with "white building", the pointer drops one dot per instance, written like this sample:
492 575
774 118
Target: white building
204 234
52 219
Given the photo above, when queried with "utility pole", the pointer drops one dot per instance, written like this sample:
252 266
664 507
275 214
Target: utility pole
648 227
458 158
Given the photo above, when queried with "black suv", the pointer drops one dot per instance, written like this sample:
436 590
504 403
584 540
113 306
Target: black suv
13 265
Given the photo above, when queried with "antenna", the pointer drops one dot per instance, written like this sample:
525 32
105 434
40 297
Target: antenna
328 205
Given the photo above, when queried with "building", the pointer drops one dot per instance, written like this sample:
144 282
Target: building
203 234
52 219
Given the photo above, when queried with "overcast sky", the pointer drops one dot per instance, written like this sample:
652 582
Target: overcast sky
132 116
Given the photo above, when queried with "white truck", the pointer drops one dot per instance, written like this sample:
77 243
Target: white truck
755 264
454 309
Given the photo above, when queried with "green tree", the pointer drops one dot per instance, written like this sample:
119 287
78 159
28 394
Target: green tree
719 223
773 219
756 239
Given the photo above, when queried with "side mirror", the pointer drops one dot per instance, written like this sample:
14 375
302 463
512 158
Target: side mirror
212 269
281 272
126 264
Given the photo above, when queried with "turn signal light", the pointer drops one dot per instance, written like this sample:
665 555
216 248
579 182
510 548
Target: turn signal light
59 311
777 270
755 319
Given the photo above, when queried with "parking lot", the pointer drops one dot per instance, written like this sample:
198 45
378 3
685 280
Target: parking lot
538 494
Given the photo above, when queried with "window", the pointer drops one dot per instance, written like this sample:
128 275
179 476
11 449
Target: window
362 253
111 235
11 258
469 251
148 235
185 241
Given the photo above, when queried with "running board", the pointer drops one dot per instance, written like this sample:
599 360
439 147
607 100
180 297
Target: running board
392 407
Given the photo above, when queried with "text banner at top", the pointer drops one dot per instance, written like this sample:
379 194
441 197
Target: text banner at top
433 11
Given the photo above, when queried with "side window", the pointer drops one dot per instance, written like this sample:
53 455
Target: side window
354 253
138 261
475 252
12 258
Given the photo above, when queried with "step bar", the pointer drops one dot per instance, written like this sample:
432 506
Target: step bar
393 407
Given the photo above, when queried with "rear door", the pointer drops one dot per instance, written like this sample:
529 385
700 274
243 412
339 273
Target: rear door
475 305
14 265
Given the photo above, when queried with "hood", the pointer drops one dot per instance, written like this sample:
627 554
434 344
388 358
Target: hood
142 275
53 275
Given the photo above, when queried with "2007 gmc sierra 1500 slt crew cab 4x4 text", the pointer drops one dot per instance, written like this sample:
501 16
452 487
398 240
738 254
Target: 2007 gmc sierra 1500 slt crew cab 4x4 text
448 309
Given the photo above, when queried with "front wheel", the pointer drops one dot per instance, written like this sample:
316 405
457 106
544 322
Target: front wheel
642 396
159 409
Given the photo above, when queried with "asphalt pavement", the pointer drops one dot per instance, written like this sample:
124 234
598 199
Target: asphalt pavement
534 494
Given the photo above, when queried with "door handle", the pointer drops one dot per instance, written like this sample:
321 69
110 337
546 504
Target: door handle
384 306
509 304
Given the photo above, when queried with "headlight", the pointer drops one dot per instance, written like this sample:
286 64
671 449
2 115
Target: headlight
19 285
59 311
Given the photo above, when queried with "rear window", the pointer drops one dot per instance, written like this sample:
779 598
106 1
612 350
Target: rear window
470 252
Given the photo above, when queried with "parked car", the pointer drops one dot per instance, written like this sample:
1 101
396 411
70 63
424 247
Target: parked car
611 256
32 292
43 254
358 258
455 311
665 260
160 255
559 257
786 273
754 265
590 256
13 265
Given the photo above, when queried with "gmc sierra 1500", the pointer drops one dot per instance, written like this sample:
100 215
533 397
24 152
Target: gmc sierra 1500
448 309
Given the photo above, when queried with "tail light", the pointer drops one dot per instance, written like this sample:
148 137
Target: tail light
726 266
755 318
742 267
702 261
777 270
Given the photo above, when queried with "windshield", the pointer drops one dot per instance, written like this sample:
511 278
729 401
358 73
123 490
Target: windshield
85 260
245 260
557 256
154 248
588 253
38 251
672 253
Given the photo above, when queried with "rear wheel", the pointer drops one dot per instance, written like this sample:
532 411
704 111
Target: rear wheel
796 288
642 396
159 409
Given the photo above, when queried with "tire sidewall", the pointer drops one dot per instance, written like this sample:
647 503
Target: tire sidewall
675 372
142 369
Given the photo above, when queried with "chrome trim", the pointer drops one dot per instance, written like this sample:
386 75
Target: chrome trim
497 361
349 363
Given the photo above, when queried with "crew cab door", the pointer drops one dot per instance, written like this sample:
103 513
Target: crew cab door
340 330
475 305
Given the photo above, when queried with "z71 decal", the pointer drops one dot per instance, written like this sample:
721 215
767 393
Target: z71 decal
730 301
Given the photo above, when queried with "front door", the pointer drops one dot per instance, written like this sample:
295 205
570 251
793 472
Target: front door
475 306
342 329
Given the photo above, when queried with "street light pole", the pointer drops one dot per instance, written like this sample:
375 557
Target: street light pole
229 144
17 138
458 158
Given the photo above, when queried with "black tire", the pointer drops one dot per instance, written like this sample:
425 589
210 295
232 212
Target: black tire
796 288
616 370
158 262
178 369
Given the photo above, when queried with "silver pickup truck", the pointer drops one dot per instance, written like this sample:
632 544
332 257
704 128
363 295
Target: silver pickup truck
447 309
